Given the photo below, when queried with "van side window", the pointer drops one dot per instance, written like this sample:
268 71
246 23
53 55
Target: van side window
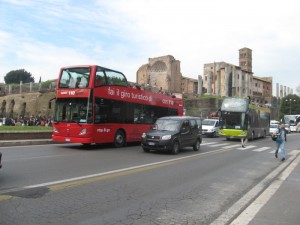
185 125
199 123
193 124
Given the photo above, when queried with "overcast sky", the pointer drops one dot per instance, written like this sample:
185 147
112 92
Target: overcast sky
41 36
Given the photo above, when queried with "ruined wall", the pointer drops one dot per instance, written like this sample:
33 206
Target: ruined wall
24 105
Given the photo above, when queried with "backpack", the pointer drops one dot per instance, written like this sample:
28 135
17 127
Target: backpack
274 137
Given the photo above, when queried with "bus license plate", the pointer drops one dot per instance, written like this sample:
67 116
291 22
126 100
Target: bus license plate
68 139
151 143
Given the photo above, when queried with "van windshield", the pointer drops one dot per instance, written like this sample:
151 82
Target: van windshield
208 122
169 125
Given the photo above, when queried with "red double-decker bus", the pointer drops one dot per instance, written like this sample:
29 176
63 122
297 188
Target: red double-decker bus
96 105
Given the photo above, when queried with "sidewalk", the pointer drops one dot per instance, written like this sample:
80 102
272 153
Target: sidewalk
8 143
279 204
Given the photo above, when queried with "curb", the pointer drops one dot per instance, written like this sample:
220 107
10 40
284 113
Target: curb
8 143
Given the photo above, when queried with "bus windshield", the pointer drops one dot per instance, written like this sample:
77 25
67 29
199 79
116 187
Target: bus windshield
233 120
74 77
73 110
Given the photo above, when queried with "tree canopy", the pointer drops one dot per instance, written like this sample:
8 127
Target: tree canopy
15 76
290 105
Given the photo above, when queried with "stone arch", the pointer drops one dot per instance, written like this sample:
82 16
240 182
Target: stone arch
11 108
23 109
158 66
3 109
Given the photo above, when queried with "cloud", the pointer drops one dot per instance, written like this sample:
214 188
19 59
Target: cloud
123 34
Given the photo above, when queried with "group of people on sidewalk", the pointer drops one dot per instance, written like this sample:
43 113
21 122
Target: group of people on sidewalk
279 137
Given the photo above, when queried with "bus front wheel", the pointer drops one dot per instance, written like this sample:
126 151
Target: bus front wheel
120 139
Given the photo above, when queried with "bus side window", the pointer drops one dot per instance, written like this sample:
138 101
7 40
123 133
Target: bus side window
100 79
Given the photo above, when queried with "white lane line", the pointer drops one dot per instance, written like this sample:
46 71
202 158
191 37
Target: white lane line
261 149
249 213
217 145
209 143
231 146
247 147
233 211
111 172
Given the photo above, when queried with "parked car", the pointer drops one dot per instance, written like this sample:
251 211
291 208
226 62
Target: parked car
210 127
273 128
173 133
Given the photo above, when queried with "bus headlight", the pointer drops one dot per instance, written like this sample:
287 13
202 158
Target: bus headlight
144 135
221 132
83 131
166 137
243 134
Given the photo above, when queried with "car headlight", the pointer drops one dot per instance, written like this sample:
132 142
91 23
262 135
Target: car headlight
54 130
166 137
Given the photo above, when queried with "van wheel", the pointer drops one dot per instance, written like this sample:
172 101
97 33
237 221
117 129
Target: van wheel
175 149
120 139
196 146
214 134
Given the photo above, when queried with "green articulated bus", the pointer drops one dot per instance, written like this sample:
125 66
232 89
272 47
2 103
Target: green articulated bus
241 119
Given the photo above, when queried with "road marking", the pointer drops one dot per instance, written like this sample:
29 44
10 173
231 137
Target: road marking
249 213
71 182
232 146
217 145
5 197
209 143
247 147
261 149
234 210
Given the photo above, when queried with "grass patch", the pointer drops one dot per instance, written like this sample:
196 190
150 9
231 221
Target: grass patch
24 128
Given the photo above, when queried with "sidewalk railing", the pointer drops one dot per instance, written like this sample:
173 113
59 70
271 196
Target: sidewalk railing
8 89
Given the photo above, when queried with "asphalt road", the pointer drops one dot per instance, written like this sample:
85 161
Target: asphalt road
72 184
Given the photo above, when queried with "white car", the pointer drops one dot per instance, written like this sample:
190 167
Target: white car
273 128
288 128
210 127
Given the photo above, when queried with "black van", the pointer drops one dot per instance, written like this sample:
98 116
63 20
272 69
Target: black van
173 133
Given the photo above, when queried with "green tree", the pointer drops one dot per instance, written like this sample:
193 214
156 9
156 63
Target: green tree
290 105
15 76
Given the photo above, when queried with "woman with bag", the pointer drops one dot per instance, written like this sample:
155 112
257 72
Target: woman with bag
280 141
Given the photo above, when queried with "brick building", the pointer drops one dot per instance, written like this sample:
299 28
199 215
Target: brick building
164 73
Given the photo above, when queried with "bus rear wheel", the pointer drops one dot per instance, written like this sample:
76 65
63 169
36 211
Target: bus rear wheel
120 139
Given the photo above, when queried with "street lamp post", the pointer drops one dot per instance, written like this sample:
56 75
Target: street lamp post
290 100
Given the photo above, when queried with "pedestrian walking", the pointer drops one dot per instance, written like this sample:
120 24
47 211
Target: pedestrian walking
244 141
280 141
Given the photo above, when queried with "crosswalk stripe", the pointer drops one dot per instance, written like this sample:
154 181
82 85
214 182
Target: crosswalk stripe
247 147
208 143
231 146
261 149
273 151
217 145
